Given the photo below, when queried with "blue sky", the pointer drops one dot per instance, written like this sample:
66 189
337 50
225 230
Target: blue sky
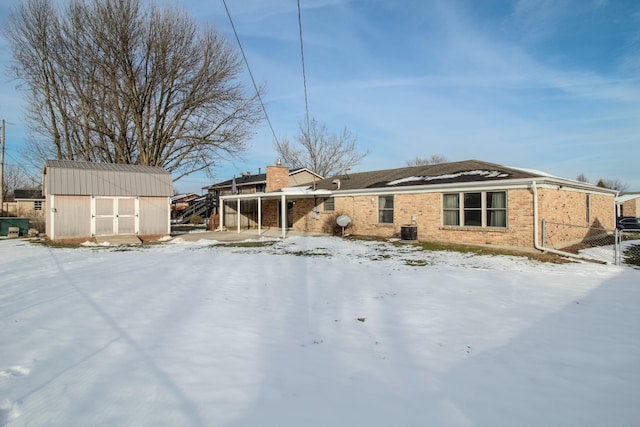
552 85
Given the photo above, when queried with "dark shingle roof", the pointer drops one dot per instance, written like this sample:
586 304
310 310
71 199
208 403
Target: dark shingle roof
445 173
246 180
27 194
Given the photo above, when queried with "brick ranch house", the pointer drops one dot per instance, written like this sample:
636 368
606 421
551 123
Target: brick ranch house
472 202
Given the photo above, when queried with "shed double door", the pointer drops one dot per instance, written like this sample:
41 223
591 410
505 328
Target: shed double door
114 216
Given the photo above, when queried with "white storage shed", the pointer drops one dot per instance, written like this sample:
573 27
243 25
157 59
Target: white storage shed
86 199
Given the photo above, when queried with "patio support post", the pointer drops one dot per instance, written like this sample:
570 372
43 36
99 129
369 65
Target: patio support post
283 215
238 213
259 216
222 215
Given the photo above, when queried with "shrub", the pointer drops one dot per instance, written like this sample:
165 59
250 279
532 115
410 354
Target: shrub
196 219
331 226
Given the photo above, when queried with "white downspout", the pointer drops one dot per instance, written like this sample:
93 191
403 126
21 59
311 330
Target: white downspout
534 189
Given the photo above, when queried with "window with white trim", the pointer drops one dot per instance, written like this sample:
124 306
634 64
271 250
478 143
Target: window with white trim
329 204
475 209
385 209
451 209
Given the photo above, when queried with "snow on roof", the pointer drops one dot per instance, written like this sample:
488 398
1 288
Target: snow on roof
303 189
532 171
626 197
295 189
479 173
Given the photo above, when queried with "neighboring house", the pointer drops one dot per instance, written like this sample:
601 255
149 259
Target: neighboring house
181 202
628 204
87 199
30 203
471 202
275 177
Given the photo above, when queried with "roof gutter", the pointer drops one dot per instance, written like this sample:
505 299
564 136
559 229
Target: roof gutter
543 182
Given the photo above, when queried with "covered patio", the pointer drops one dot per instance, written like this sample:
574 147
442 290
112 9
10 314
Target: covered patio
282 198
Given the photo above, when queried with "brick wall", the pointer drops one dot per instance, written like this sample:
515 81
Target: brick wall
555 205
631 207
577 209
277 178
427 208
270 213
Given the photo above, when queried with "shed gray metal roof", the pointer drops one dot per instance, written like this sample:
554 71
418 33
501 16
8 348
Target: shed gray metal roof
106 179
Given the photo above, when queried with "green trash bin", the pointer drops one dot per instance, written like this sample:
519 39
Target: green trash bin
9 222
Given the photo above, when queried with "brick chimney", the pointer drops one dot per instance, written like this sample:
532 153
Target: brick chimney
277 177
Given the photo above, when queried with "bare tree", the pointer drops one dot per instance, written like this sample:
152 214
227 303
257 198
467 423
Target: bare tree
426 161
613 184
115 81
16 178
320 151
582 178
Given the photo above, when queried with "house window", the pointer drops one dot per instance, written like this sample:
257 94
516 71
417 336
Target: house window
451 214
496 208
478 209
329 204
37 205
588 208
473 209
261 188
385 209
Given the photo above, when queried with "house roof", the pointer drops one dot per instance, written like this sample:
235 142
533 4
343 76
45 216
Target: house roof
468 171
444 173
31 193
249 179
106 179
625 197
184 197
440 177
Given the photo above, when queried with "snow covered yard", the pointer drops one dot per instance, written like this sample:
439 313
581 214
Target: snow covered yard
313 332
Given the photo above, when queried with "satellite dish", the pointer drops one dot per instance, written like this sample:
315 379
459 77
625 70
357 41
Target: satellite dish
343 221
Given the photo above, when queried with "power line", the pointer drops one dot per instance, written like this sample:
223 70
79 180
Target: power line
249 70
304 74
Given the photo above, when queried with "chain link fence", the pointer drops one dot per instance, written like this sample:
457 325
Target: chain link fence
620 247
629 243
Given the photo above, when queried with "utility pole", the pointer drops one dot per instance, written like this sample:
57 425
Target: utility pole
2 170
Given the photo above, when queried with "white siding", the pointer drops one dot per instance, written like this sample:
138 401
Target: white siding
71 217
154 215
